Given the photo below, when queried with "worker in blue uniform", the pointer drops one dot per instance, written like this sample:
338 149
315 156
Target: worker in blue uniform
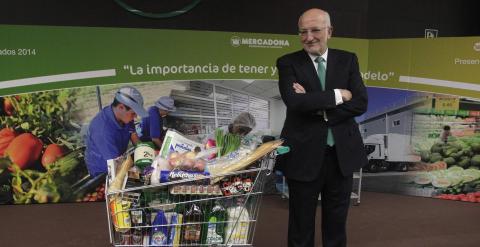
152 125
112 129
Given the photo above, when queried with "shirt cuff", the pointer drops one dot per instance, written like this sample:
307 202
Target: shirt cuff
338 97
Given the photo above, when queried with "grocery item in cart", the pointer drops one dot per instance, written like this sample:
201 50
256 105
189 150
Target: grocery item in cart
159 235
238 225
264 149
144 154
214 232
119 179
174 228
192 227
175 175
175 142
196 189
236 186
187 161
120 215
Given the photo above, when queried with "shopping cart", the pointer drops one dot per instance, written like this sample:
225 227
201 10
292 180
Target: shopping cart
220 210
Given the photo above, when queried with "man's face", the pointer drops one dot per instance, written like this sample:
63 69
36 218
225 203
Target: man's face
163 113
314 33
241 130
126 115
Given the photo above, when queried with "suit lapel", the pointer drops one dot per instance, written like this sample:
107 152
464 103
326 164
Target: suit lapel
331 63
308 69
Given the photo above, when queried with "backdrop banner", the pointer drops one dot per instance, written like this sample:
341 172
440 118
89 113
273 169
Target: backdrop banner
54 80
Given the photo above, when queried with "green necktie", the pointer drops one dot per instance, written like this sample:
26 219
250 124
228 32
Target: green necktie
321 75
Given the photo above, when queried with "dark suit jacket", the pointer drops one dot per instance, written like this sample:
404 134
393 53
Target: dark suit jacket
305 130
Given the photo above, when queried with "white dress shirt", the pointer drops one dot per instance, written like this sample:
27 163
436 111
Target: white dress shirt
338 95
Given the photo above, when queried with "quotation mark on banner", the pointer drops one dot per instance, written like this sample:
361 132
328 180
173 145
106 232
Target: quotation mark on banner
431 33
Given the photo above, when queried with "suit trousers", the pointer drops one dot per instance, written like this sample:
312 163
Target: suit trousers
335 190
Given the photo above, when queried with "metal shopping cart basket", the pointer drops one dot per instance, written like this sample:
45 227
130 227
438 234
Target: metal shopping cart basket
220 209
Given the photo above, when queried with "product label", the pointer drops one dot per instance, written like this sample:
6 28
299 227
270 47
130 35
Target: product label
136 216
192 232
159 238
167 176
137 238
144 154
212 236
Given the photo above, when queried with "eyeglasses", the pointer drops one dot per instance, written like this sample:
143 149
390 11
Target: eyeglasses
314 31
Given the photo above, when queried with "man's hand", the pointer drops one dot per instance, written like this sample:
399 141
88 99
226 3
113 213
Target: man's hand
346 95
298 88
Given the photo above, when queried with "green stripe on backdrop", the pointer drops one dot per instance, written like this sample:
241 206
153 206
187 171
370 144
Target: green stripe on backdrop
156 55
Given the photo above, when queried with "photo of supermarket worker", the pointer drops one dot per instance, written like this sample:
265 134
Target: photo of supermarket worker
152 125
242 124
112 129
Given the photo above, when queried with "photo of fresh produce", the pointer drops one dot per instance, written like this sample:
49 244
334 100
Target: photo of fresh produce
421 144
40 147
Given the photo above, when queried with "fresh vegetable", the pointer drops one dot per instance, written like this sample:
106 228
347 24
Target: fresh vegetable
35 186
226 143
210 144
6 136
468 197
47 115
52 153
475 160
98 195
8 107
24 150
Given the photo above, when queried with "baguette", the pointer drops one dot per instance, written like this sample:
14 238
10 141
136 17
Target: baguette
117 183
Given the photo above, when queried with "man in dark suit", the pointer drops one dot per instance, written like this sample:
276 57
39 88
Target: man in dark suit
323 92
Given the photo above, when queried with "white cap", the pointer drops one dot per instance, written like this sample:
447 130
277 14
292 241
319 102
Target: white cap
132 98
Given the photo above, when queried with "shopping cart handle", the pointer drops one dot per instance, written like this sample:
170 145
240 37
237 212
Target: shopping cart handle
282 150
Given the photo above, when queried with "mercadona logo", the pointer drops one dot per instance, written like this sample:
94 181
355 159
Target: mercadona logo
237 41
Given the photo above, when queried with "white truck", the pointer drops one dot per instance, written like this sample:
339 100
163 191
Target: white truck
389 152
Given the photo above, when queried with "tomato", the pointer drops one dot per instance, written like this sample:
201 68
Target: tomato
441 196
471 196
6 136
52 153
455 197
24 150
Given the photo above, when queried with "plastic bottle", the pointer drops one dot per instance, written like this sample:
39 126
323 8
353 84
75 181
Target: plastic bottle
238 225
214 230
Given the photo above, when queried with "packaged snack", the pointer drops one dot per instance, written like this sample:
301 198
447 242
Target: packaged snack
175 175
207 190
175 142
